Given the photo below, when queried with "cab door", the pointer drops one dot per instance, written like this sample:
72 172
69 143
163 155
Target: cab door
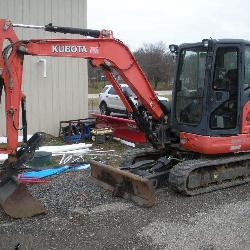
224 92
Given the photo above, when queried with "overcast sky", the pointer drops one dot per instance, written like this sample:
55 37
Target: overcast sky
149 21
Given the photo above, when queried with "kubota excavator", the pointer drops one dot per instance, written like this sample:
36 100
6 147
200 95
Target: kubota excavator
200 142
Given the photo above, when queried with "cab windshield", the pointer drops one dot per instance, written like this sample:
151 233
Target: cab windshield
190 85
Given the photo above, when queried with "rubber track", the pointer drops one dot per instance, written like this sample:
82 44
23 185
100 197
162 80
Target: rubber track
179 174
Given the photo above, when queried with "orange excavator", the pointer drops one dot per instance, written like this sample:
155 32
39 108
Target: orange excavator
200 140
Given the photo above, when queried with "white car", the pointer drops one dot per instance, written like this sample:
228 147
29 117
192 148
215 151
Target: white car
110 102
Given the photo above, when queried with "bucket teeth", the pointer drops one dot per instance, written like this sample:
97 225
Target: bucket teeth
124 184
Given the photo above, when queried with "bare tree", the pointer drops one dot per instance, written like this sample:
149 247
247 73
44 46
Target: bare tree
95 74
156 62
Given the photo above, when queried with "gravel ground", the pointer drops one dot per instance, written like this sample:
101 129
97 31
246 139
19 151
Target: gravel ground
84 216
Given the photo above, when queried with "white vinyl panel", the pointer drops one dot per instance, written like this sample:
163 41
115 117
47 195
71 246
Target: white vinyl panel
56 107
33 81
83 89
61 88
31 78
83 65
41 81
47 124
76 93
28 79
17 15
63 71
31 71
32 92
83 15
9 7
60 96
69 76
27 33
36 115
79 79
27 84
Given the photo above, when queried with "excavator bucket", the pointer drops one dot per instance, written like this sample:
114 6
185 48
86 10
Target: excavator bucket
17 201
124 184
15 198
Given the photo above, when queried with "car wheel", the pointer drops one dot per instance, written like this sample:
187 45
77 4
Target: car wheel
104 109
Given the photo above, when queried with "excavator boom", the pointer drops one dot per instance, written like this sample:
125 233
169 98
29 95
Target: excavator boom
104 51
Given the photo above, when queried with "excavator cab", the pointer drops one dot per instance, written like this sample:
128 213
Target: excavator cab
207 90
211 92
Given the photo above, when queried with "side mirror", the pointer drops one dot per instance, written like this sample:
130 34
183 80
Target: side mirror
207 43
173 48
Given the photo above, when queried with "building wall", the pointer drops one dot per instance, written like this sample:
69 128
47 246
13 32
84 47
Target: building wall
63 94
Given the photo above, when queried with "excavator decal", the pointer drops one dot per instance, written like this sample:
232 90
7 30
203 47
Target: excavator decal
69 49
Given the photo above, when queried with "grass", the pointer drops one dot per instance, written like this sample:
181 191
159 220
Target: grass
93 104
96 88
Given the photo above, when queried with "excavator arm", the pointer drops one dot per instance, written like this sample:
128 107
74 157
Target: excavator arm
104 51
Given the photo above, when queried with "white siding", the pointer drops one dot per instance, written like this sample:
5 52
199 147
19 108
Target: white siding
63 94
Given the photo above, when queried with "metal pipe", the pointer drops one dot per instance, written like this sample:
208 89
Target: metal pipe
70 30
27 26
57 29
44 61
24 119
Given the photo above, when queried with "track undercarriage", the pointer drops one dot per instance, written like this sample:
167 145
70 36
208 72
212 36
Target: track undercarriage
186 172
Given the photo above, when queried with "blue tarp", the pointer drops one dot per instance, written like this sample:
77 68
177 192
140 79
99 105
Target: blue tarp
52 171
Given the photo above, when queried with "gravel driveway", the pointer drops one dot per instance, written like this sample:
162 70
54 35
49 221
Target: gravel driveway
84 216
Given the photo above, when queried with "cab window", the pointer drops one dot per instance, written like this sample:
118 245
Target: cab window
190 85
226 80
247 68
225 68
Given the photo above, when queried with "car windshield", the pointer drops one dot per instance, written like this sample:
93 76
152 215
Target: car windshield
190 85
128 91
104 89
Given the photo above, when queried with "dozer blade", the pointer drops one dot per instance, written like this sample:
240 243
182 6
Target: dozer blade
17 201
124 184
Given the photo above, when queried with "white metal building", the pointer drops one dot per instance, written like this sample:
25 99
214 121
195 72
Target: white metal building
56 88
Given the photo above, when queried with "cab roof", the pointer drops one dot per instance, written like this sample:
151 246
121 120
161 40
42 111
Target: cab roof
219 41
